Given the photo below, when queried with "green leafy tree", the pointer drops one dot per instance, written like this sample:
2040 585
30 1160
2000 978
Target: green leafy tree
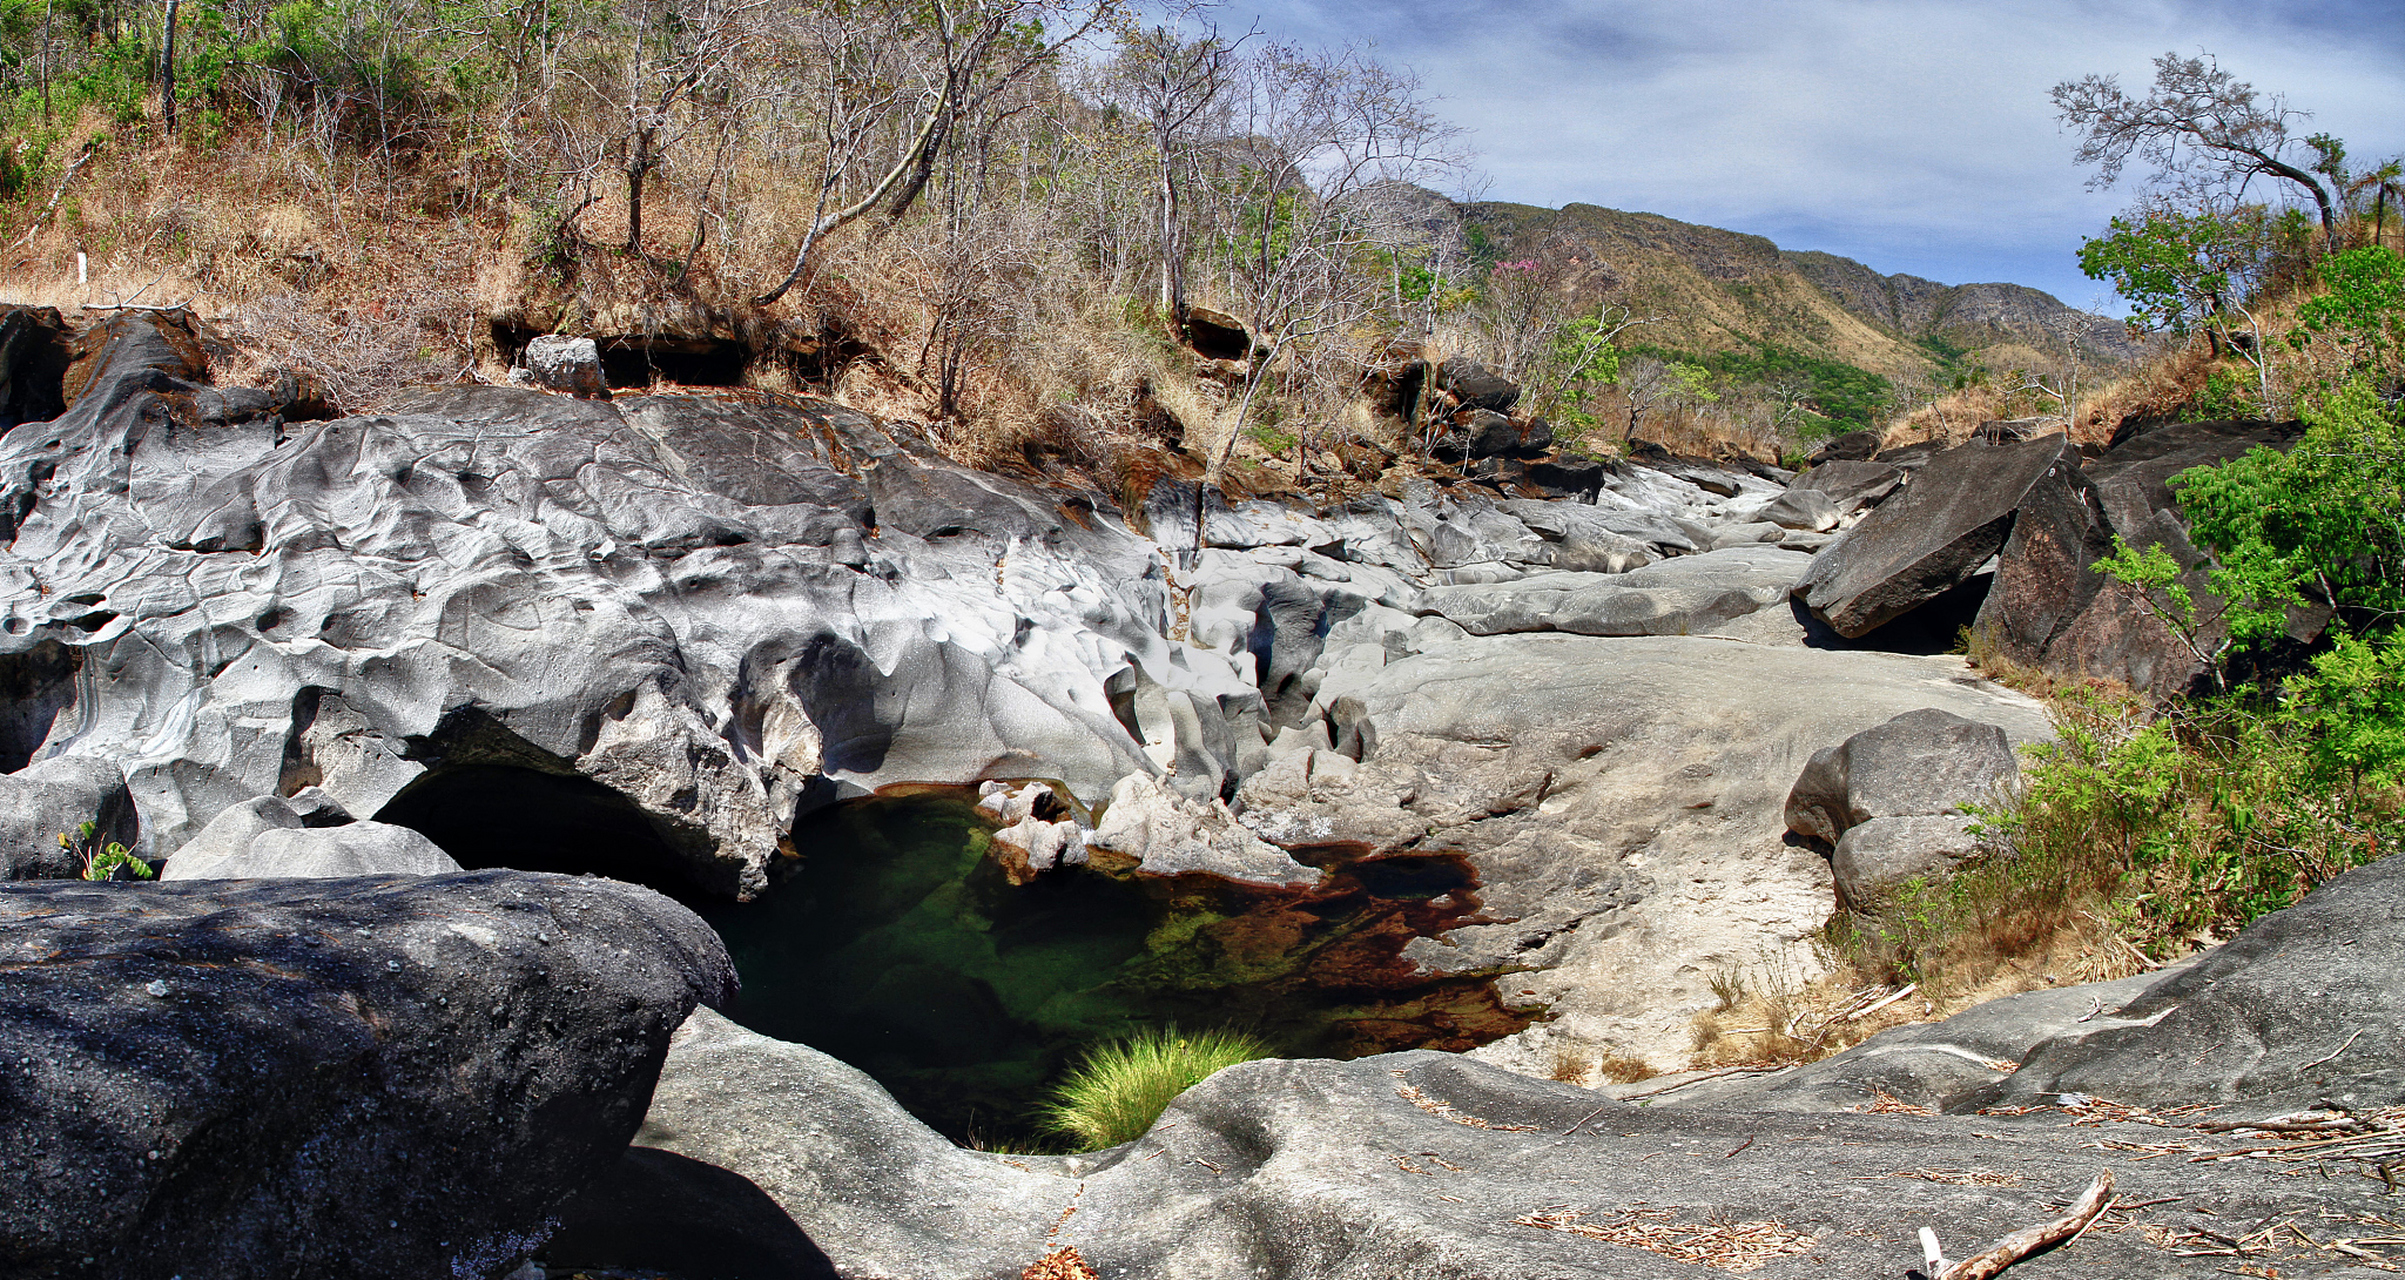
2326 517
2364 310
2184 272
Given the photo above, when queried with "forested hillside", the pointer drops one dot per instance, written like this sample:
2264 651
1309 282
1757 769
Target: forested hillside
995 216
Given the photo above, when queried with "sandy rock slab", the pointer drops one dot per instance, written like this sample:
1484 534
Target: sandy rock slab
1621 801
385 1076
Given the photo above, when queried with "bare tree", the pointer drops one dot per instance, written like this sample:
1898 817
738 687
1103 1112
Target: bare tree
2201 127
1320 131
977 49
672 56
1171 83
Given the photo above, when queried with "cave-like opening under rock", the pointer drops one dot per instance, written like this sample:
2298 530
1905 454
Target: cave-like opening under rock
37 686
898 945
489 815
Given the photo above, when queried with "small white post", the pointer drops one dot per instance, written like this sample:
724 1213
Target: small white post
1932 1257
82 273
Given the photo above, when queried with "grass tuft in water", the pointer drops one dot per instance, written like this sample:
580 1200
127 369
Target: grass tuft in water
1124 1085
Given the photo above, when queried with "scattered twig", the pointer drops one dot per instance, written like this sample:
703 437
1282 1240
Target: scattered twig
1709 1075
2334 1052
1992 1261
2116 939
1749 1141
1582 1120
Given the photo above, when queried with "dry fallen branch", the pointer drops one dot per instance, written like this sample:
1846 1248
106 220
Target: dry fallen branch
1992 1261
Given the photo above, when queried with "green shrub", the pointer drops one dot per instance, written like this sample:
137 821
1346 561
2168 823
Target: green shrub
2171 828
102 862
2222 397
1123 1086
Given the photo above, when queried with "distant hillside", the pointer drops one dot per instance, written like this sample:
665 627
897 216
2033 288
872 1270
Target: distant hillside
1724 291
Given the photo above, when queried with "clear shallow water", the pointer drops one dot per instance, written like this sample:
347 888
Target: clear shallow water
896 945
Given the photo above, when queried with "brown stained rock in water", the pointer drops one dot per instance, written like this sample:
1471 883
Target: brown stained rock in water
1342 939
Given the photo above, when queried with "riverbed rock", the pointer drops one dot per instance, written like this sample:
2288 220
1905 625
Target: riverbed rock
1802 509
1956 514
1430 1166
1851 486
1685 595
2304 1006
722 613
1921 763
1922 1064
1851 446
1153 829
376 1076
1881 854
1474 386
2052 610
1620 802
567 364
53 798
267 838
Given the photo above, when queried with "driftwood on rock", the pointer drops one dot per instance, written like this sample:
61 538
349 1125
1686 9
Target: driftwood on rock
1991 1262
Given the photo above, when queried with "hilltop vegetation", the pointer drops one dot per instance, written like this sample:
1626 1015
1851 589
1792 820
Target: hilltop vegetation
997 217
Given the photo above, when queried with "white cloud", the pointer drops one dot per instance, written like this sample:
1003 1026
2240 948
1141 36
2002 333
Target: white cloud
1916 136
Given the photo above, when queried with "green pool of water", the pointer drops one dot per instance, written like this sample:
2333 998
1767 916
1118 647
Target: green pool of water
898 946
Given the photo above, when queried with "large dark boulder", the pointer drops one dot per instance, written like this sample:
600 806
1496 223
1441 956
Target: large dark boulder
370 1077
2051 609
2133 478
2306 1006
1850 486
1474 386
1853 446
1957 512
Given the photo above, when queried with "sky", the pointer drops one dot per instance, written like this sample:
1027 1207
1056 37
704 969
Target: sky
1913 135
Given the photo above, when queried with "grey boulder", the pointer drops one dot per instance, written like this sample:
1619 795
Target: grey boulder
1921 763
268 838
1875 856
1808 509
567 364
55 797
375 1077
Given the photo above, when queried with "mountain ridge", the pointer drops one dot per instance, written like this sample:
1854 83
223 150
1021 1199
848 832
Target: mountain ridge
1711 290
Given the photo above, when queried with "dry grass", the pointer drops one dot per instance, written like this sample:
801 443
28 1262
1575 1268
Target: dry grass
1587 1066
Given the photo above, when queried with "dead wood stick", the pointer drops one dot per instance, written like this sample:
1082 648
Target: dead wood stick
91 149
2334 1052
1860 1014
1992 1261
1582 1120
